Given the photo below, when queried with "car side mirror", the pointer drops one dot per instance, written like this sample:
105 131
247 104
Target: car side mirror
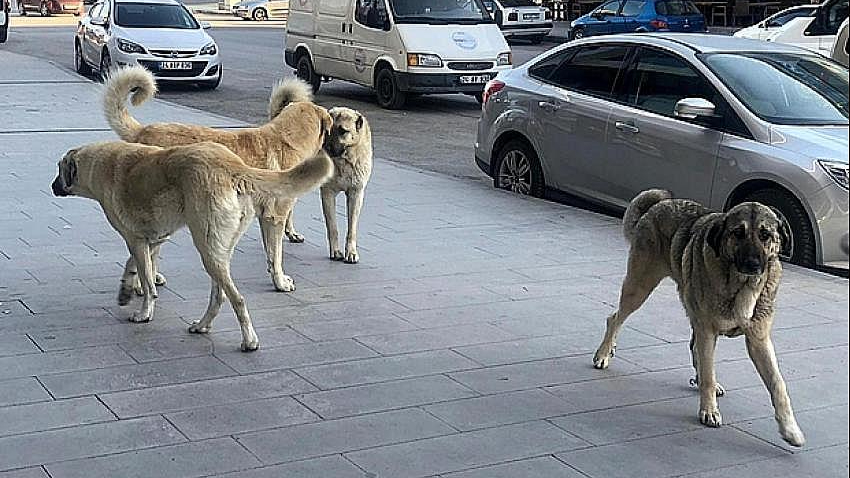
206 25
99 21
597 15
693 108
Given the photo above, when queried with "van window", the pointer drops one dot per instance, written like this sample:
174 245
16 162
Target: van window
440 12
371 13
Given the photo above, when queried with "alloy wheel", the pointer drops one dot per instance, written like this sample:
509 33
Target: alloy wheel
515 172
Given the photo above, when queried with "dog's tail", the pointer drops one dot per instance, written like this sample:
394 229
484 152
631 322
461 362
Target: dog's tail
638 207
135 82
286 91
295 182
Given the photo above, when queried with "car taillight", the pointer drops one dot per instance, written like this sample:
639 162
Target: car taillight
491 88
658 24
513 16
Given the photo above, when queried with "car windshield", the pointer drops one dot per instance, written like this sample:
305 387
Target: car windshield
154 15
676 7
785 88
440 12
518 3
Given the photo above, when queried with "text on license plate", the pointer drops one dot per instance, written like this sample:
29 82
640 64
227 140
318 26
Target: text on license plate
530 16
470 79
175 65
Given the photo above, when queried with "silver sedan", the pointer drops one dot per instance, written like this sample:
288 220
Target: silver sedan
716 119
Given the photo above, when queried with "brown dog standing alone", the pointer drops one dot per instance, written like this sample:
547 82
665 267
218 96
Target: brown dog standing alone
727 270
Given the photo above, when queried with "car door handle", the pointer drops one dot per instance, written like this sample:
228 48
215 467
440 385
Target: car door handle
627 127
548 105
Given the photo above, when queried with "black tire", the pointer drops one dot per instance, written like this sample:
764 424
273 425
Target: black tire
479 97
213 84
509 173
22 10
44 10
387 92
80 64
260 14
4 34
577 33
105 64
305 71
799 248
498 18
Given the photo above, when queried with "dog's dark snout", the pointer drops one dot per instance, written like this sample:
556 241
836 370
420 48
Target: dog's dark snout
751 266
58 190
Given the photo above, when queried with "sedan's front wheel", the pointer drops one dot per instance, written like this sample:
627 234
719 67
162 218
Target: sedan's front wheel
518 169
80 64
105 64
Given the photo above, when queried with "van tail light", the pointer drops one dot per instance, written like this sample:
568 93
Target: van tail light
659 24
513 16
491 88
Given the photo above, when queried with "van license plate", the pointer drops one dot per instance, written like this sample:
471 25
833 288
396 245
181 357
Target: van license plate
530 16
175 65
472 79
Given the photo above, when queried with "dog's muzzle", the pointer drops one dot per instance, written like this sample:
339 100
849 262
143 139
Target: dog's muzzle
58 189
751 266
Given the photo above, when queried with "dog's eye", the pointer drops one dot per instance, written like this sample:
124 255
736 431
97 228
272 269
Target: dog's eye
739 232
764 234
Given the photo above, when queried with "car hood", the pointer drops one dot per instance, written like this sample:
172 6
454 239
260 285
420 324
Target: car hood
454 42
818 142
165 38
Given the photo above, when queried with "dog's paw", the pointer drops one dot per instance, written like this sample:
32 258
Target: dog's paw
351 257
137 286
125 294
250 346
159 279
295 237
602 357
792 434
336 255
710 418
141 316
283 283
196 328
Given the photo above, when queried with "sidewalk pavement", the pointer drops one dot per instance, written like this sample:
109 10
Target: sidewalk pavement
459 347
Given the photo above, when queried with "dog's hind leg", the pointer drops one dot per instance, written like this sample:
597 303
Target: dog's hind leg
272 228
158 278
764 358
704 345
289 229
329 210
141 254
694 360
641 279
354 202
216 299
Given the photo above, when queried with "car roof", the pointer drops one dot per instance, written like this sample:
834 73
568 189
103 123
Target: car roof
698 43
161 2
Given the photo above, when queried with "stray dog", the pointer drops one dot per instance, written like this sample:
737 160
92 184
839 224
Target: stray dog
147 193
296 132
727 270
350 146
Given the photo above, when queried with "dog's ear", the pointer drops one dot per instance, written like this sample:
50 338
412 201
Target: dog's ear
68 169
359 123
714 237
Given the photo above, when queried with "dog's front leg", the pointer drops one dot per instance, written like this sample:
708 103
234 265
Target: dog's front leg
272 228
141 254
329 210
354 201
704 344
764 358
129 283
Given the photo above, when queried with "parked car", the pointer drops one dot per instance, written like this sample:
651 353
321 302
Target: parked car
521 18
261 10
4 20
816 32
766 27
717 119
160 35
624 16
51 7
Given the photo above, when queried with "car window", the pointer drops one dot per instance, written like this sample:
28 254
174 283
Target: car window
371 13
95 10
609 8
592 70
835 14
787 17
546 67
632 8
676 7
154 15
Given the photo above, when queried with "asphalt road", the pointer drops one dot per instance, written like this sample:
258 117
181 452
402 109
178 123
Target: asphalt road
433 132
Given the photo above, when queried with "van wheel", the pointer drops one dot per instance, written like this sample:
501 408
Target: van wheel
386 90
43 10
304 70
798 238
80 64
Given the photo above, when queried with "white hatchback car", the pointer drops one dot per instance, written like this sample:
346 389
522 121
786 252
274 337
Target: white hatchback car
771 24
521 18
160 35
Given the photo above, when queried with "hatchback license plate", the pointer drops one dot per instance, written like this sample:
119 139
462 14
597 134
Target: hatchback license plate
472 79
530 16
175 65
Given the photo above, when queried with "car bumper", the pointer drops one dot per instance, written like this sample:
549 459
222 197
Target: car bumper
830 207
441 82
533 29
242 13
204 68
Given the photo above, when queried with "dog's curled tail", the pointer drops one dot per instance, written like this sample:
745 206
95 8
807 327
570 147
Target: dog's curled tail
638 207
286 91
135 82
295 182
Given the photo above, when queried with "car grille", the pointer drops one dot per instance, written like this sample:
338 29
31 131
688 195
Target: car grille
197 68
174 53
470 65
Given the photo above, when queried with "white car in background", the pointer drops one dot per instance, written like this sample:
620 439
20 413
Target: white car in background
816 32
764 28
260 10
521 18
160 35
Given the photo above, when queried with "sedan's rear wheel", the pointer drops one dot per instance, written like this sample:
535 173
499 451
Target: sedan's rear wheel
798 238
518 169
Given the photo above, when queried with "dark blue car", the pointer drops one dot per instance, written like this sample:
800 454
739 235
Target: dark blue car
625 16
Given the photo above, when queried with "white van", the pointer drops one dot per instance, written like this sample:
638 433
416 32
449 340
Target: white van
397 47
816 32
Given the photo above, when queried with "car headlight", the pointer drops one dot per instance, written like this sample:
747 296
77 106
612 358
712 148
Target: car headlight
837 171
503 59
129 47
424 59
209 49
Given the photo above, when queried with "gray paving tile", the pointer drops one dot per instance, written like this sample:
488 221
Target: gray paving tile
385 368
544 467
185 460
670 455
327 467
542 373
817 392
354 327
384 396
232 418
174 398
136 376
25 473
822 427
111 333
16 344
293 356
84 317
493 410
338 436
22 390
269 337
65 361
465 450
56 414
447 298
432 339
824 462
85 441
